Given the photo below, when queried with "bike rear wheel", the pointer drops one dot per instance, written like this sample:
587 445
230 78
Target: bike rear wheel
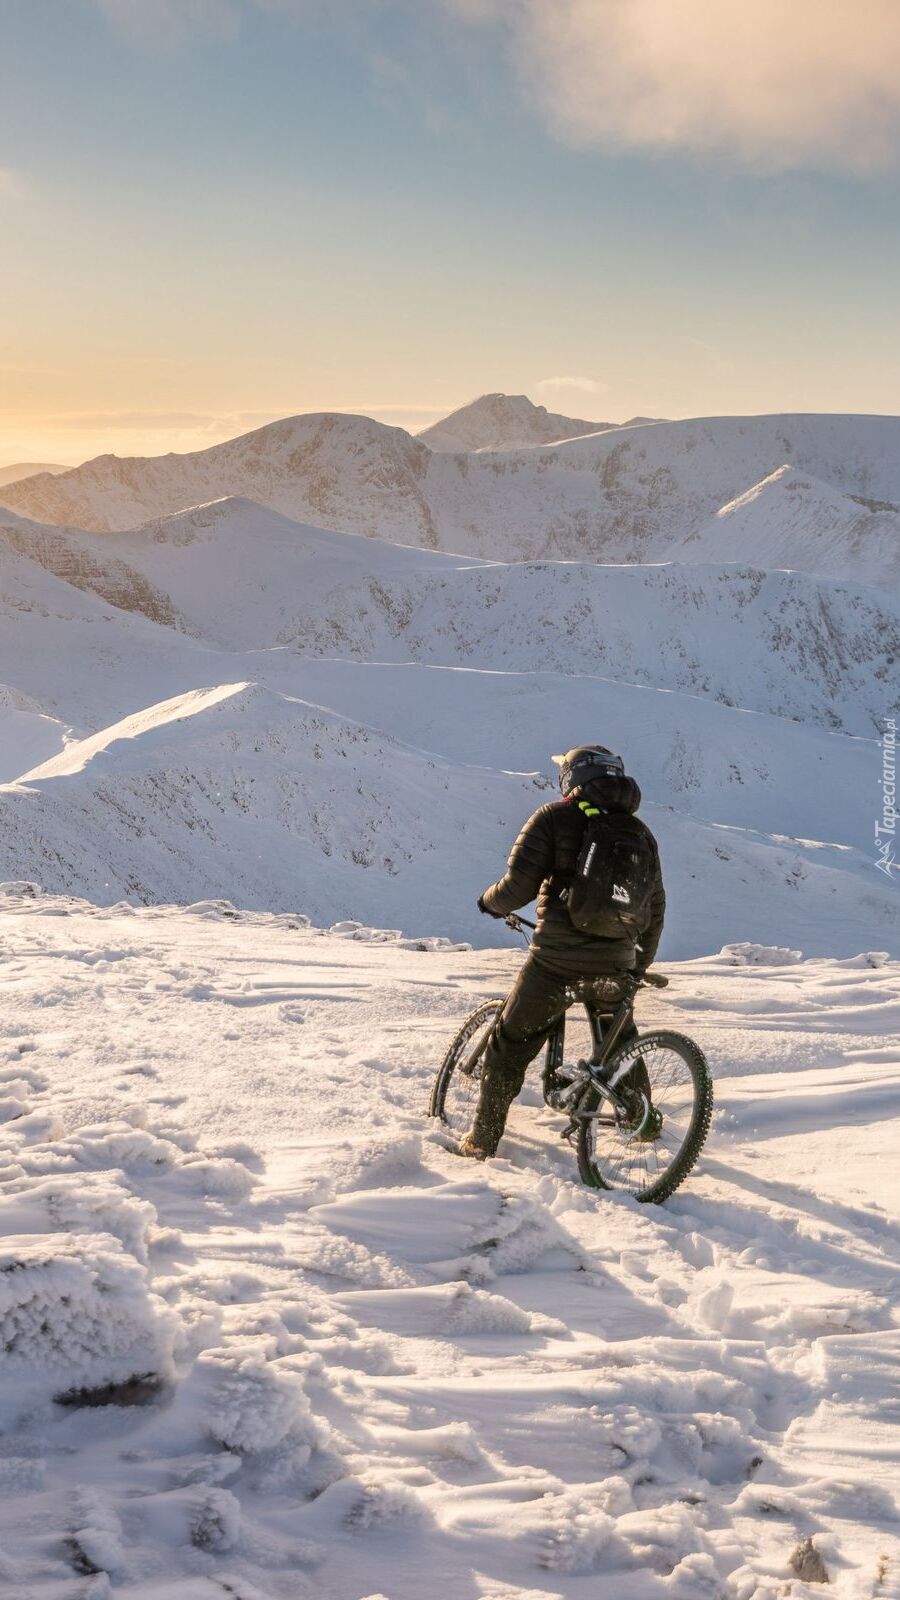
665 1078
457 1086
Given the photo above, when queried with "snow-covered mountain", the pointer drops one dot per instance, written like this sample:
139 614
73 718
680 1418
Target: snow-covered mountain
329 468
793 519
239 577
279 804
504 422
630 494
381 718
244 792
306 718
27 469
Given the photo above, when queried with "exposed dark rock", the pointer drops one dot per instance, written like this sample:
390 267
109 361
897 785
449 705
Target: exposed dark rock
808 1564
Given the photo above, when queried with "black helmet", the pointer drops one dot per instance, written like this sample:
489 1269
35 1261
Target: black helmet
586 762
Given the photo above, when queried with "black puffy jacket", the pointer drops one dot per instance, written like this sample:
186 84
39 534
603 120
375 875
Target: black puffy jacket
542 862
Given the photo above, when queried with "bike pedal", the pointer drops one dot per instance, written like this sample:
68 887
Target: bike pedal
568 1132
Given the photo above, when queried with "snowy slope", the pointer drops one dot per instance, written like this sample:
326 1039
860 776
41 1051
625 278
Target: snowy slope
68 554
79 658
374 1364
357 788
504 422
242 578
792 519
777 642
28 736
243 793
713 761
625 495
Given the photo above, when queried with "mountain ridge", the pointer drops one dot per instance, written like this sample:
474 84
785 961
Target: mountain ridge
629 494
233 577
240 792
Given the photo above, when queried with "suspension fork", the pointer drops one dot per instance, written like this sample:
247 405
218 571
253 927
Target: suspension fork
468 1066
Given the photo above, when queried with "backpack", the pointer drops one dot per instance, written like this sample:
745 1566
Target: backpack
609 896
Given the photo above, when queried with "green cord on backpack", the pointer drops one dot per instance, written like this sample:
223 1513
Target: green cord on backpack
609 897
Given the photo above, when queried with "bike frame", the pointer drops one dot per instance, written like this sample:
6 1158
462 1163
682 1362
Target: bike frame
604 1040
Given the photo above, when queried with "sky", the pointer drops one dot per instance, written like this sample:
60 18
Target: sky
217 212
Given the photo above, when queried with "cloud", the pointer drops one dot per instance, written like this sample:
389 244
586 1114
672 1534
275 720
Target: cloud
583 385
810 83
774 85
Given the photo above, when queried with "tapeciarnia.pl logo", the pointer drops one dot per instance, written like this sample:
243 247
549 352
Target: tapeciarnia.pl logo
886 829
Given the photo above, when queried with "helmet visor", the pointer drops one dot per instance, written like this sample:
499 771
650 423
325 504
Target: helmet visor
581 766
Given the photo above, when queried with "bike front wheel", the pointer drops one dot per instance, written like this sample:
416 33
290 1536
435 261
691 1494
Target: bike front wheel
457 1086
665 1082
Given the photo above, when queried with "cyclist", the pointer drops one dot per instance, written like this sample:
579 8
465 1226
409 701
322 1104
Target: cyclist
563 964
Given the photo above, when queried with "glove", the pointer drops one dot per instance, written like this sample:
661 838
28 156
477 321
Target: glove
486 911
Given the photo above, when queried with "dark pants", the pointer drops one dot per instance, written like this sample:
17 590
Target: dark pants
538 999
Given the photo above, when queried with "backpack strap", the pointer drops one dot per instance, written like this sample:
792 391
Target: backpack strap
588 809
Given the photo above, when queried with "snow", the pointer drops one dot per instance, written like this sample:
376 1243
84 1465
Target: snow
235 577
358 728
76 1313
261 1334
504 422
360 1362
28 735
792 519
634 493
111 656
241 792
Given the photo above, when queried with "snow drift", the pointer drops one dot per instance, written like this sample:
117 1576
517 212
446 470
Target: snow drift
380 1363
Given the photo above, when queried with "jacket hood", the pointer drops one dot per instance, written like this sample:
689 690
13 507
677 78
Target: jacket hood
613 794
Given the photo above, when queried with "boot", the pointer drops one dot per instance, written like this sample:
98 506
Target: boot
468 1147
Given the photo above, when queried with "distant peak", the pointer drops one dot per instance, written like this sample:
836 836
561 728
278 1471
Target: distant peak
505 422
17 470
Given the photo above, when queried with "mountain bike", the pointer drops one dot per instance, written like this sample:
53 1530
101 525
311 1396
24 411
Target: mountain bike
638 1106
